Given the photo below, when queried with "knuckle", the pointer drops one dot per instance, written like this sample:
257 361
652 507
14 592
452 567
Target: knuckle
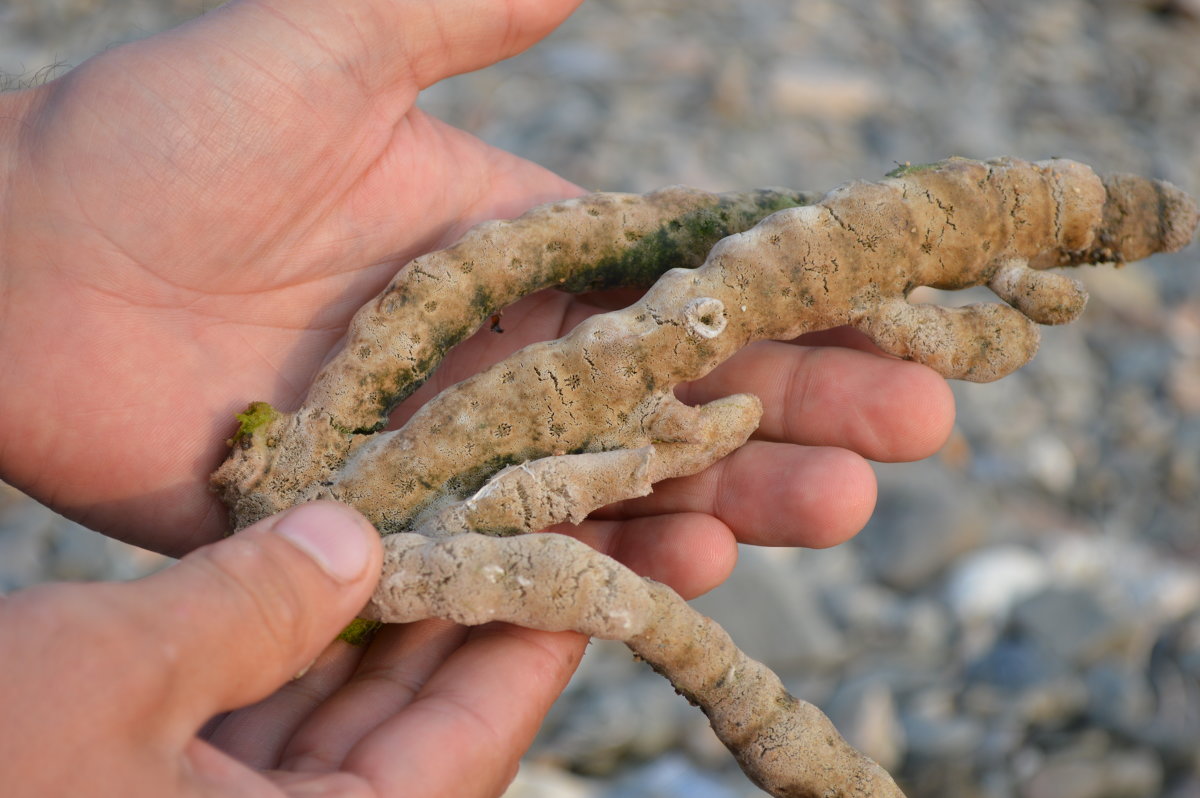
257 586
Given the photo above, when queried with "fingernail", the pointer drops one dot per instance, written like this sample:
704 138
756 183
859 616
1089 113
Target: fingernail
331 534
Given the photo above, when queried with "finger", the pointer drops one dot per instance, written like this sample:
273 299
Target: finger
383 43
232 621
307 785
393 670
770 494
257 734
845 337
429 40
466 729
884 409
215 773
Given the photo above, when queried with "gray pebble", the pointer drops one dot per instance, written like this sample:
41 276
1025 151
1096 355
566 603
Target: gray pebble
771 608
1112 774
1072 625
865 712
921 524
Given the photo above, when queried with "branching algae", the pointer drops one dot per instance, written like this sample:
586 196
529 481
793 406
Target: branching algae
561 428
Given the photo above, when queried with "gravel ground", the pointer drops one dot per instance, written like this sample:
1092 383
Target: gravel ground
1022 615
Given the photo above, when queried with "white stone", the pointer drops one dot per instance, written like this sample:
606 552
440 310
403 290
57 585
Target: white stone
987 583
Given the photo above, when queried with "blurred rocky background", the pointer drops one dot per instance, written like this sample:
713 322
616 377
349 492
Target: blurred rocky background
1022 616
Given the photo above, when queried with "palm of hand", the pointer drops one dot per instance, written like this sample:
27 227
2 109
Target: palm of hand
222 227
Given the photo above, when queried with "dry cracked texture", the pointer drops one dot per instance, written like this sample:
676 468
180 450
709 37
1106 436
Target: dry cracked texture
553 582
562 427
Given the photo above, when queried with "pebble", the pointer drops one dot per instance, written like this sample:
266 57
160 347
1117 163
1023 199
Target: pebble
984 585
820 92
1183 385
538 780
865 713
1187 789
604 721
1183 465
1116 774
1071 625
22 554
1175 727
770 606
78 553
1120 697
1129 294
25 529
1014 665
674 777
1051 463
1154 587
920 524
941 737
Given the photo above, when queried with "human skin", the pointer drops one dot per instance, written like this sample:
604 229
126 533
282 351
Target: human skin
188 222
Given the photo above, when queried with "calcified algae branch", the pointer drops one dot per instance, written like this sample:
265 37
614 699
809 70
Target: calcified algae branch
552 582
563 427
849 259
598 241
538 494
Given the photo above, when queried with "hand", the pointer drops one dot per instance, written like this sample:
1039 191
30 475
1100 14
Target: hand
104 686
190 220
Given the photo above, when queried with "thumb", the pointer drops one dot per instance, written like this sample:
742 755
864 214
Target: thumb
238 618
386 43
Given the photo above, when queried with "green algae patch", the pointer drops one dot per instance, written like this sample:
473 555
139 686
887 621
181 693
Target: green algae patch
908 168
905 169
256 416
360 632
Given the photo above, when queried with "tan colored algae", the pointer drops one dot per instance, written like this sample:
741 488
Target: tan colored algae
397 339
553 582
566 426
